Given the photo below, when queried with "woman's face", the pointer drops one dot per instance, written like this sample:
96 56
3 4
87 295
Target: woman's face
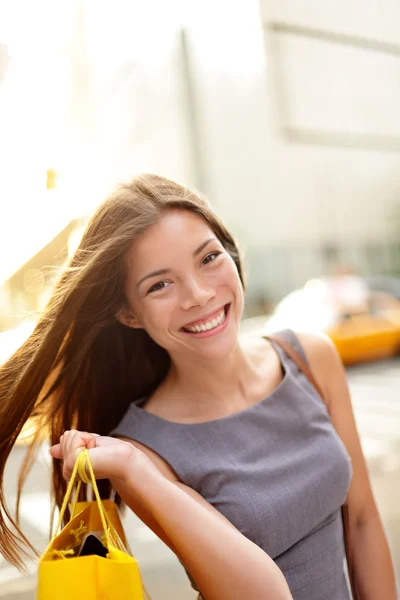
183 287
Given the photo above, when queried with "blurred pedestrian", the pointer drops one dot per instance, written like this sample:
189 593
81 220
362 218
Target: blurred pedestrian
220 444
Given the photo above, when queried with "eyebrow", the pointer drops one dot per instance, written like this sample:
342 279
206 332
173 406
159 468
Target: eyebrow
165 271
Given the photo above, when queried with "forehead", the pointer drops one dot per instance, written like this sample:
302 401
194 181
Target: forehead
174 232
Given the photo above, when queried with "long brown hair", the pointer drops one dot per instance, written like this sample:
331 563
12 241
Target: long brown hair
81 367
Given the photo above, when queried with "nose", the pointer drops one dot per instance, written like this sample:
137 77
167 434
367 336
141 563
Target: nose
196 293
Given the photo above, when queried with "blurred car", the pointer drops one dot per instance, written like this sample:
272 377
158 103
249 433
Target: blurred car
363 324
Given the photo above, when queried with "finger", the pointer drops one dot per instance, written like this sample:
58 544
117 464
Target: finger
93 441
72 443
61 449
74 439
55 451
62 442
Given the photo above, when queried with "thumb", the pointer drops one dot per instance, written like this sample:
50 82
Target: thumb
55 451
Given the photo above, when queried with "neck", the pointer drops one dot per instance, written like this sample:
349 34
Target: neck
212 385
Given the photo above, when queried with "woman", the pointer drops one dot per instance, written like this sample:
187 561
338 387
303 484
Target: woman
220 445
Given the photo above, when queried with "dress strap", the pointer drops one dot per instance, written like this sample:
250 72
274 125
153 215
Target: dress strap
289 336
298 358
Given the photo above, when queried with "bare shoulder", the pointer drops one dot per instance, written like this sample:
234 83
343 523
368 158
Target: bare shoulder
324 361
317 346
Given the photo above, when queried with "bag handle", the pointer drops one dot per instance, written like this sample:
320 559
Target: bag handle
304 367
83 461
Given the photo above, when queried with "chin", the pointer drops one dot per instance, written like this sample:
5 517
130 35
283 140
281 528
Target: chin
220 346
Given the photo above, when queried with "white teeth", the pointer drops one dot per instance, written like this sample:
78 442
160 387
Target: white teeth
220 319
209 325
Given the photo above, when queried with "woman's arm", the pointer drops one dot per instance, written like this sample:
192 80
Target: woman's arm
223 562
373 565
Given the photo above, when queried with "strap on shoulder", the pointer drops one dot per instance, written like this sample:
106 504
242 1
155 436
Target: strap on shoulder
300 362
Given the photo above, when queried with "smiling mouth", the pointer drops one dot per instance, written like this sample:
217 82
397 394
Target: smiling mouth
209 324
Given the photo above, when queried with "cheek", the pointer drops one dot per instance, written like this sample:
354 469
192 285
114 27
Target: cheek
230 276
158 314
233 282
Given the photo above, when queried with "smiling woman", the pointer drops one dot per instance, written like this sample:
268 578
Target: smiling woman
190 290
214 441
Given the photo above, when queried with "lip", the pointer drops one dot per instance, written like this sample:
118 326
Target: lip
215 330
206 317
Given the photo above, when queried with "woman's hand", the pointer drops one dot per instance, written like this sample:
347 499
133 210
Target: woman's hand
110 457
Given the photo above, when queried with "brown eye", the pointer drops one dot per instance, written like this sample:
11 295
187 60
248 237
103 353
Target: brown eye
160 285
210 257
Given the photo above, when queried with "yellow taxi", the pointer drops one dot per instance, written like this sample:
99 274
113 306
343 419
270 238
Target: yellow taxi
363 324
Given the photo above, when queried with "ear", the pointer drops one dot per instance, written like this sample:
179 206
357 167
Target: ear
126 317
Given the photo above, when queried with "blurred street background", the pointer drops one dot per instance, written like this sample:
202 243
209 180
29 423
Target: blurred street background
285 114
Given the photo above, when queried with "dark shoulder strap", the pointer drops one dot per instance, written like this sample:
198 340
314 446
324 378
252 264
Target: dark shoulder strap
298 359
303 366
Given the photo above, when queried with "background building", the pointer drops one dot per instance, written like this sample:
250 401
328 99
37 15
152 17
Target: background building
283 113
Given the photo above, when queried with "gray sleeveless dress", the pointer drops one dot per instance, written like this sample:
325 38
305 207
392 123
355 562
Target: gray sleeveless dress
277 470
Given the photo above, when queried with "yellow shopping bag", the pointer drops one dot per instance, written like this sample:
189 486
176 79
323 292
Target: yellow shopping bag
63 575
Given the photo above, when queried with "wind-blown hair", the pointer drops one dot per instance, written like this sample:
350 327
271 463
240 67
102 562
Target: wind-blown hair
81 368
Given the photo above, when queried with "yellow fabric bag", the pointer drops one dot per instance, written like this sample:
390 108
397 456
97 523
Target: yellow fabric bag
62 575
